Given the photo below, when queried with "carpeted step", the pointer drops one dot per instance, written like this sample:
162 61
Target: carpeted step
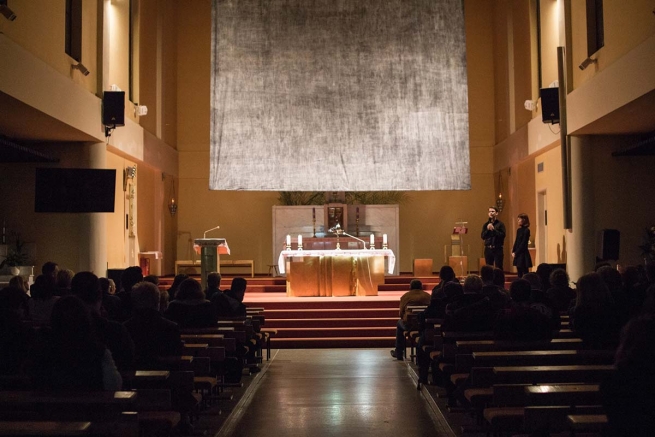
332 323
309 313
332 342
345 332
325 303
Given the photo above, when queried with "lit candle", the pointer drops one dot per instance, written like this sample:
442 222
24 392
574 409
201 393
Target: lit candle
384 239
299 240
288 240
372 239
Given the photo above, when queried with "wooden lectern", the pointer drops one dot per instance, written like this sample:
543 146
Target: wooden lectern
209 256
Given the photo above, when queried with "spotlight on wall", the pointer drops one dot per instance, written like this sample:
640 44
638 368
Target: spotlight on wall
140 110
79 66
587 62
530 105
6 11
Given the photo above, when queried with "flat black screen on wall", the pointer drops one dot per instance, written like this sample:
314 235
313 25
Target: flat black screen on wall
74 190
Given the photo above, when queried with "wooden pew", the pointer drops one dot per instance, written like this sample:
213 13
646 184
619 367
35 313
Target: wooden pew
550 374
46 429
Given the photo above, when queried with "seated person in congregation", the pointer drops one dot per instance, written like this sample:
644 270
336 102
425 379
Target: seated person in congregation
521 322
213 284
415 296
16 338
153 335
472 311
190 309
70 355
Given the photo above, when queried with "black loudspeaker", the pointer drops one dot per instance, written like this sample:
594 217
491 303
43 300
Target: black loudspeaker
113 108
549 105
607 245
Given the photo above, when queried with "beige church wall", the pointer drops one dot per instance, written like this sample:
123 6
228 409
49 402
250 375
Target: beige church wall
50 236
624 189
40 29
246 217
116 230
522 61
550 182
158 93
500 69
550 39
618 18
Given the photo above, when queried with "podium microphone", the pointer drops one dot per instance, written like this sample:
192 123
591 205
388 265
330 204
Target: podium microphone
356 238
205 234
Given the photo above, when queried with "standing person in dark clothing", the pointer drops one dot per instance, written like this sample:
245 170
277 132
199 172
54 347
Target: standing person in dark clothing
520 253
493 234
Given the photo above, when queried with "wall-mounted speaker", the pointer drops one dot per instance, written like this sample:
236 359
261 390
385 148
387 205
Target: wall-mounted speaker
607 244
113 108
549 105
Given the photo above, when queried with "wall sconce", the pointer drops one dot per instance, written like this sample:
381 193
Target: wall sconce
500 202
172 205
81 67
128 173
6 11
140 110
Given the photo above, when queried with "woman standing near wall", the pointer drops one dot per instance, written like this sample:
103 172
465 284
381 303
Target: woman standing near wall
520 253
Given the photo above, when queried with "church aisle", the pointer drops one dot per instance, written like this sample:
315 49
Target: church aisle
333 392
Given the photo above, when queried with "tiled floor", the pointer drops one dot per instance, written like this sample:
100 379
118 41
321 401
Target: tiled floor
333 392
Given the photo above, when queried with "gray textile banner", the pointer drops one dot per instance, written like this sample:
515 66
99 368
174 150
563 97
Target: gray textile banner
349 95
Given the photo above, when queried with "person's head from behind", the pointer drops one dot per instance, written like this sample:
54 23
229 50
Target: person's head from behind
145 295
447 274
559 279
43 288
630 276
153 279
177 280
415 284
214 280
131 276
520 291
591 290
86 286
19 282
611 277
107 286
164 297
636 349
487 274
453 289
472 284
543 272
238 288
64 278
13 303
499 278
71 321
534 280
50 270
190 289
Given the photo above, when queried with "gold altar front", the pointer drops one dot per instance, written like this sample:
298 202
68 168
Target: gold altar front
337 275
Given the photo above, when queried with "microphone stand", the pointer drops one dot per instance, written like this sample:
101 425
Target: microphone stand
356 238
212 229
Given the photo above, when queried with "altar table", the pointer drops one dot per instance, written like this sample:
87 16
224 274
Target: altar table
335 272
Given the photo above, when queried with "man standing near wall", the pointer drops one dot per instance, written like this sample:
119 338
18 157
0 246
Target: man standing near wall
493 234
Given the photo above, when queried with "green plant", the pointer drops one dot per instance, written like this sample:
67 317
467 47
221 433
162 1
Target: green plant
352 197
15 254
301 198
648 246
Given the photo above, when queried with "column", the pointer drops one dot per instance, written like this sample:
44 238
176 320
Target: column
581 251
92 243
